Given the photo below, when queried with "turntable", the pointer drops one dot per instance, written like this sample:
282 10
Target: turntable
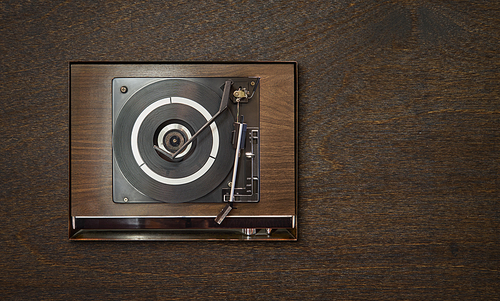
183 151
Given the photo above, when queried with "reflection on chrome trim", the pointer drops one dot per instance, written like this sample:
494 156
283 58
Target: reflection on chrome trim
172 223
179 216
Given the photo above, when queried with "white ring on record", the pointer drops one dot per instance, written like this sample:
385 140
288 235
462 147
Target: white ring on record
135 147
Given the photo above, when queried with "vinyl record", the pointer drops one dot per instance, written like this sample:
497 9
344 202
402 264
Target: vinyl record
167 113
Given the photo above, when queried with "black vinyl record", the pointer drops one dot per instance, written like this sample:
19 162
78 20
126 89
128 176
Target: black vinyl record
166 113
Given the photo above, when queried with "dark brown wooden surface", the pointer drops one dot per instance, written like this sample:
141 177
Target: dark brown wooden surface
399 119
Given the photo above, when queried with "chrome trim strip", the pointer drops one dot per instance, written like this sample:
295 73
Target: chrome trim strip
189 216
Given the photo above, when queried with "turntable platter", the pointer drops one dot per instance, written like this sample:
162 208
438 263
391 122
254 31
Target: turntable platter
165 114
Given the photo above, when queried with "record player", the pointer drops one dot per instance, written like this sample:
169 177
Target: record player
183 151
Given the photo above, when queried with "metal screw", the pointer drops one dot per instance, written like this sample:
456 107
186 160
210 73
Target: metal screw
252 83
123 89
229 184
125 200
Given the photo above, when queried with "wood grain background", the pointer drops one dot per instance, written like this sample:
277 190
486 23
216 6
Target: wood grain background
399 120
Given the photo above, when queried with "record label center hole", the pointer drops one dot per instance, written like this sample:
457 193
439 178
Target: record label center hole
174 140
171 136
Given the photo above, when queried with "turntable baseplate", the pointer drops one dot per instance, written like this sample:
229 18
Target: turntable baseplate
183 151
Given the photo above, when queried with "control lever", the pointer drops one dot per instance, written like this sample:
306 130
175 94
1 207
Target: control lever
241 129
